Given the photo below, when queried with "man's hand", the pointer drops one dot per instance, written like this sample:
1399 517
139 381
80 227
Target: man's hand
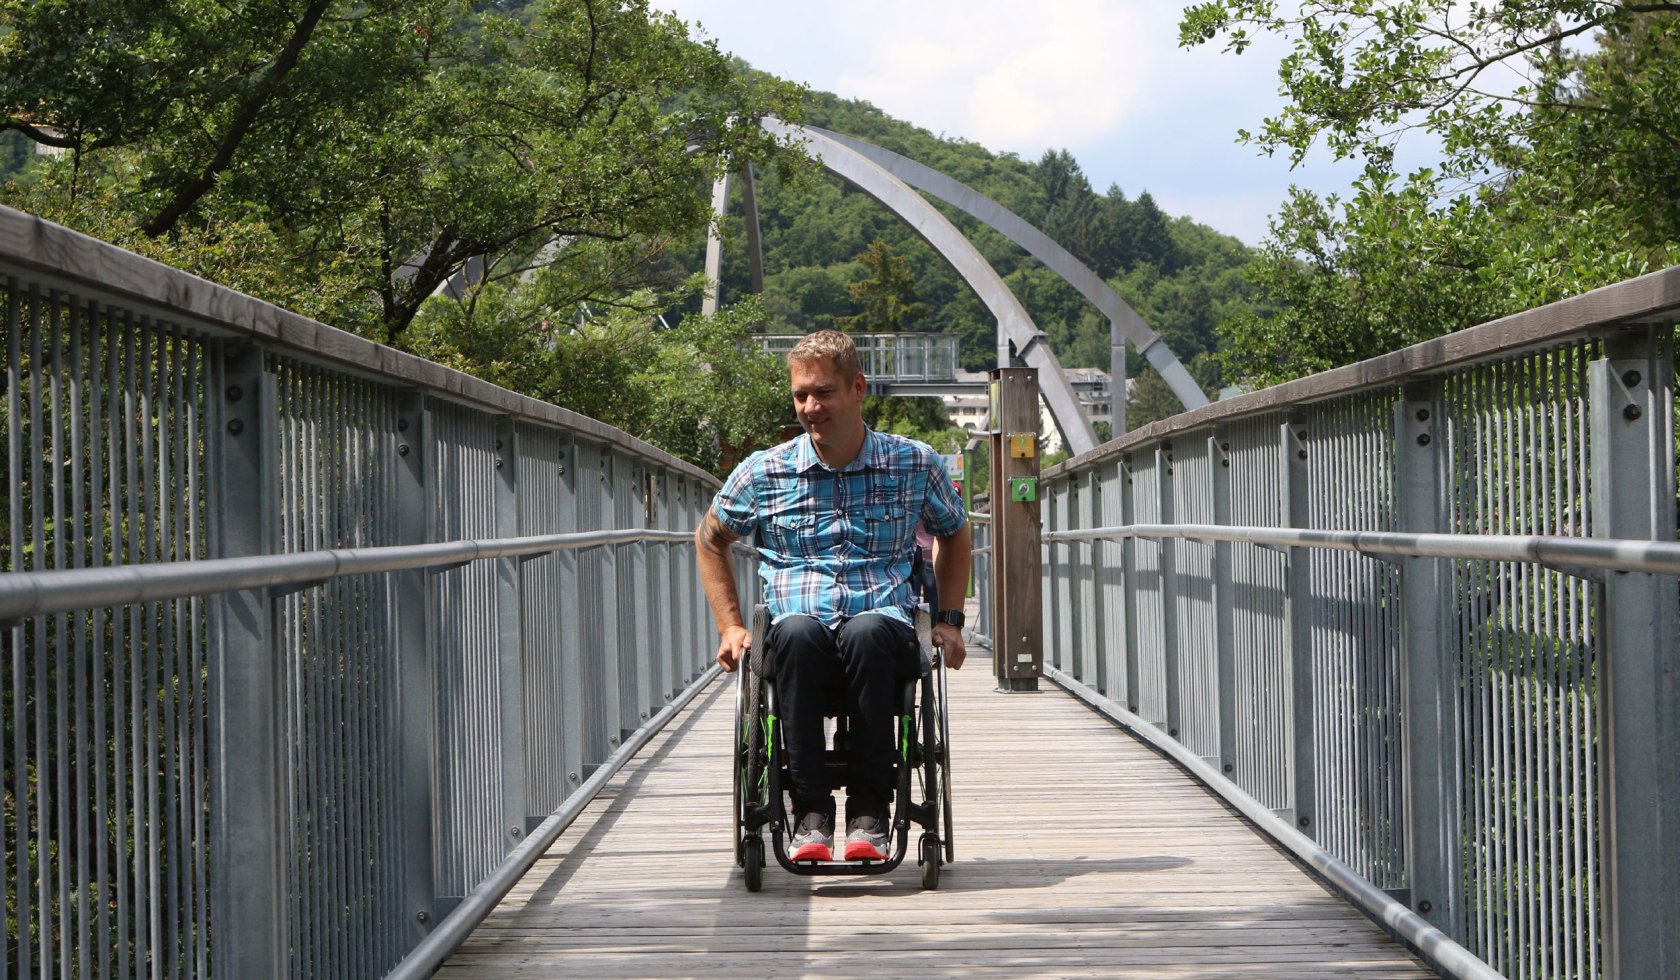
736 641
949 639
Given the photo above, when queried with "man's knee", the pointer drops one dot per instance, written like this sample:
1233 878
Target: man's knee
795 639
877 639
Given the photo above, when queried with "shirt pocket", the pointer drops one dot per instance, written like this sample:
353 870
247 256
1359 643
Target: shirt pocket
889 528
801 535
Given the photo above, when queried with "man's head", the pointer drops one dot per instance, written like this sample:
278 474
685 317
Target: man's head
828 391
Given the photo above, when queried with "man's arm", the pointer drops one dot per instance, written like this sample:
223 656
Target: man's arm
951 561
712 542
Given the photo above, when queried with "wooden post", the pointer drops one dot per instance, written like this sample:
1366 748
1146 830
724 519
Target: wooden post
1018 640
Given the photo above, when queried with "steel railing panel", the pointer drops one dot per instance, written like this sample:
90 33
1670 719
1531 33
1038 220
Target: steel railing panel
336 456
1149 597
105 710
1196 629
548 587
1259 630
1356 641
465 610
1517 436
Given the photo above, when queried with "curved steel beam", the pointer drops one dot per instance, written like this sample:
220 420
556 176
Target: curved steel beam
1041 247
945 238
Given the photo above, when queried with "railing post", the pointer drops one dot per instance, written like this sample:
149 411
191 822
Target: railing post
1091 619
1169 587
569 637
1224 595
639 610
1293 511
1632 446
411 598
516 809
1429 707
1128 588
249 897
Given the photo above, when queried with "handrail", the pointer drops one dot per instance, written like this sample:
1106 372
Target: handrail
26 594
1556 551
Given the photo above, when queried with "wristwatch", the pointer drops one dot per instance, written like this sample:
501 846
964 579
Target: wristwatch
950 617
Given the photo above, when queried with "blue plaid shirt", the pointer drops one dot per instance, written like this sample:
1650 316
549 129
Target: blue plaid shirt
838 543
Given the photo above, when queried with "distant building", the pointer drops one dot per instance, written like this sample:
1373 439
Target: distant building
1091 387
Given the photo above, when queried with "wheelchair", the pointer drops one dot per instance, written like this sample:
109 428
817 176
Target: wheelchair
921 769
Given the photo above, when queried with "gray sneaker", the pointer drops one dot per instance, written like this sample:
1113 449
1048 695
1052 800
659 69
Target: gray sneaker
813 838
866 839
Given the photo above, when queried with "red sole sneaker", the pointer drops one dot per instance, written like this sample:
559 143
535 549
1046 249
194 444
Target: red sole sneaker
862 850
813 852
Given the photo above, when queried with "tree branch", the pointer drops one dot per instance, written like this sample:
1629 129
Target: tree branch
244 118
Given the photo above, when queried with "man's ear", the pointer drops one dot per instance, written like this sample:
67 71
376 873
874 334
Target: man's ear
860 384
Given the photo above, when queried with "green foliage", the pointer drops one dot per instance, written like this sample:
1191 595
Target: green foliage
923 419
1570 182
703 392
369 151
888 294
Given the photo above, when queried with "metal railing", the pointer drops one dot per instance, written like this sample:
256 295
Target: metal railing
306 641
1418 618
888 358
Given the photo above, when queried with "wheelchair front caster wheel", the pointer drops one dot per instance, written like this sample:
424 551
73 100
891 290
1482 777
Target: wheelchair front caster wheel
752 862
930 862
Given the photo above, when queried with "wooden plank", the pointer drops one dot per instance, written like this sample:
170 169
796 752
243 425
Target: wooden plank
1079 852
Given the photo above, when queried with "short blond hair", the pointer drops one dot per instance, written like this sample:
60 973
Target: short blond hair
832 344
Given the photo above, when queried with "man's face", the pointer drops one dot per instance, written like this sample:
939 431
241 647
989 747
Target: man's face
829 406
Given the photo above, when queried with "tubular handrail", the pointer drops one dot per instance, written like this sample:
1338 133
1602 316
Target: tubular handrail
1555 551
26 594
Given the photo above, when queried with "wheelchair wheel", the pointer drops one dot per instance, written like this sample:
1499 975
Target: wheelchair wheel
752 849
930 862
750 769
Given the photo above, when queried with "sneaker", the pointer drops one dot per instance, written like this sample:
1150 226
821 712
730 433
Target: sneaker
813 839
866 839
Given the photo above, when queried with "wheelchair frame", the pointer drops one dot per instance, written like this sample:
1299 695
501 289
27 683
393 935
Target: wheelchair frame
921 771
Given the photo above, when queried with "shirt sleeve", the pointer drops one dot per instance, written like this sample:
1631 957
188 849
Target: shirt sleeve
736 505
943 513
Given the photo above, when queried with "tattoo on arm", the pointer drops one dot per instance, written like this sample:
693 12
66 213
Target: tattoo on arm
715 536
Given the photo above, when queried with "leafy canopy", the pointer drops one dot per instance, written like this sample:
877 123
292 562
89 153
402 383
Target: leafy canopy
1559 170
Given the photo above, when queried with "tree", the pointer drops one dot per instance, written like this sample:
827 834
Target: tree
888 296
704 391
1564 184
376 148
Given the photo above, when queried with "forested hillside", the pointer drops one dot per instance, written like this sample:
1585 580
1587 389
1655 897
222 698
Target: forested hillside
1182 277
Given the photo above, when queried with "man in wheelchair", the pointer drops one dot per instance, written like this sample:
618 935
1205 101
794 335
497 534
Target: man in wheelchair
832 514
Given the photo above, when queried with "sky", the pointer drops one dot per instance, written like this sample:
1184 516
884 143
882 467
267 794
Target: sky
1104 79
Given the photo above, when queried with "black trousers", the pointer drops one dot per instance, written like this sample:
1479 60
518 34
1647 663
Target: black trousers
858 668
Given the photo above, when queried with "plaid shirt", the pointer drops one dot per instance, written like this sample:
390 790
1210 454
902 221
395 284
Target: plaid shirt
838 543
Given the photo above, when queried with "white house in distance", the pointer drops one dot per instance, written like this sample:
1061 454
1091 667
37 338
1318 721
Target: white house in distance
1090 386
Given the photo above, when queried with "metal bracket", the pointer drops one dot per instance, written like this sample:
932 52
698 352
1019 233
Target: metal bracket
1586 572
281 591
448 567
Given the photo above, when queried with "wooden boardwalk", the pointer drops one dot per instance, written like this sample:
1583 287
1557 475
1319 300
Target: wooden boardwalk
1079 852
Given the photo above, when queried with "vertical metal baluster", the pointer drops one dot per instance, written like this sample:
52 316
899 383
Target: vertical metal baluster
99 416
15 862
78 935
37 504
169 774
60 769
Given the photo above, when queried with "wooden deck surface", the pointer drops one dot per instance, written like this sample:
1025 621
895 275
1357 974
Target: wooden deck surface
1079 852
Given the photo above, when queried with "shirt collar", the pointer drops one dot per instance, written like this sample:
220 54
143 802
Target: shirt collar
873 455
